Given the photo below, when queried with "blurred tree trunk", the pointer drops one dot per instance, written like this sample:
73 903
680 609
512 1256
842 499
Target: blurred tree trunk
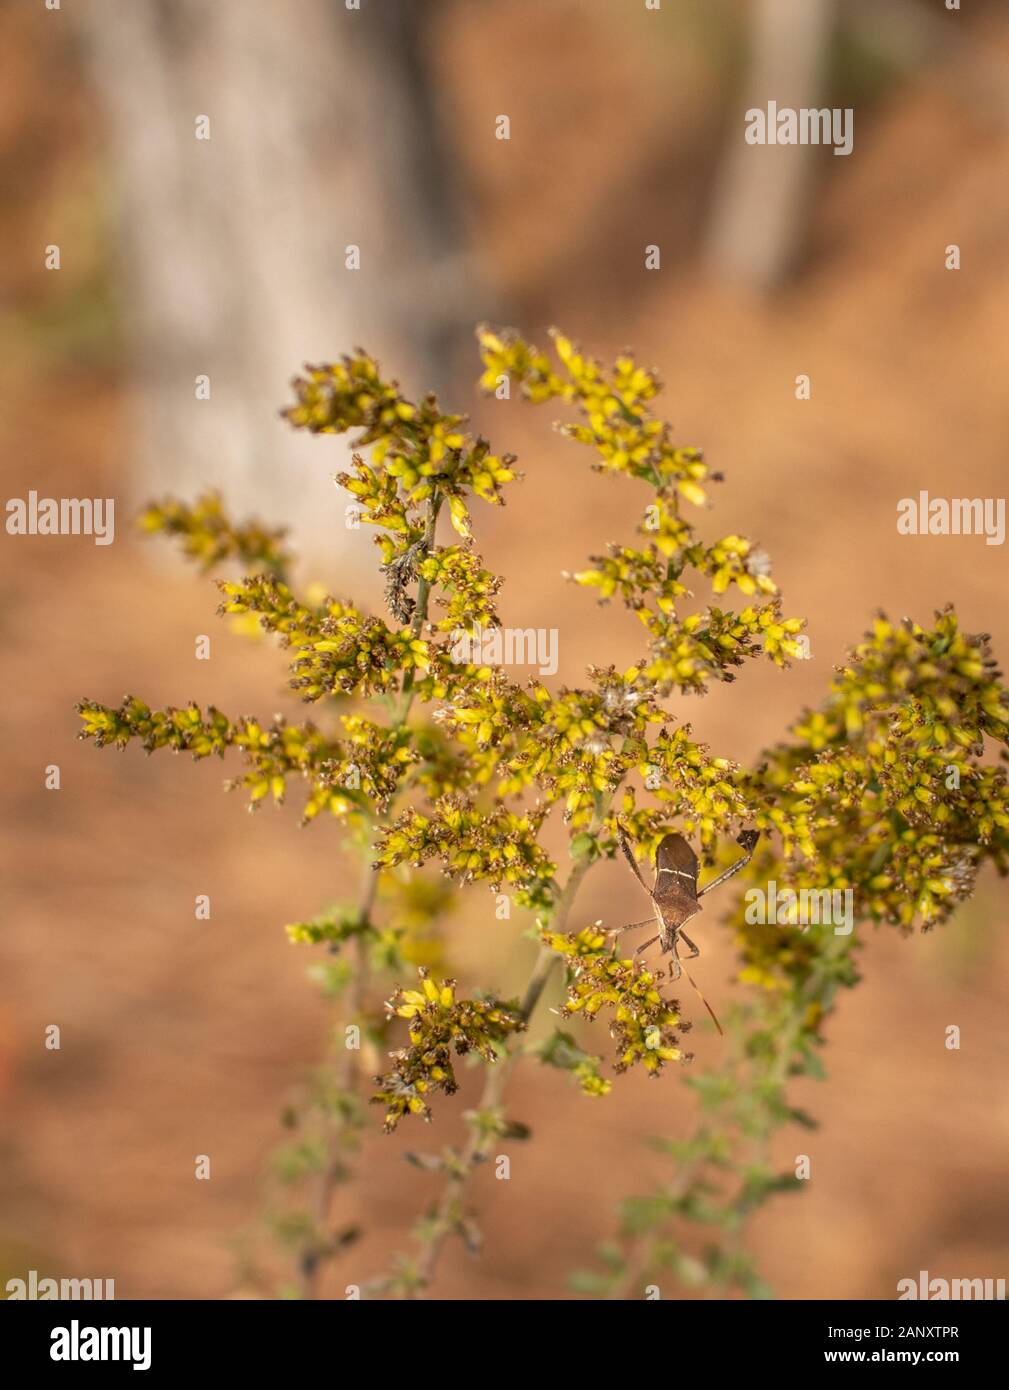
763 191
323 135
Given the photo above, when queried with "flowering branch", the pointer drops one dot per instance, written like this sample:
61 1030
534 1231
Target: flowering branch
448 1216
424 757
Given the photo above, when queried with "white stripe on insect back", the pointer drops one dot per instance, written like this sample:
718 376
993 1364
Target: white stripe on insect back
682 873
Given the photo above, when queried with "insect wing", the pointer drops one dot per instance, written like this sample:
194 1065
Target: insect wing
675 864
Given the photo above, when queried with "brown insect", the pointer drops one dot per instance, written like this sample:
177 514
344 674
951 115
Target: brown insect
677 898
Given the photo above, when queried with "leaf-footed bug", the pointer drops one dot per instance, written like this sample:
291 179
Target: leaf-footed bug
677 898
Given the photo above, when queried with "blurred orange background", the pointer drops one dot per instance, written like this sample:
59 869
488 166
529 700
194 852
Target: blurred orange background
182 1037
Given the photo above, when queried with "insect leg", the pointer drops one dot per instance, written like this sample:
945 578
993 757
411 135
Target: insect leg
630 926
694 950
645 945
748 840
629 855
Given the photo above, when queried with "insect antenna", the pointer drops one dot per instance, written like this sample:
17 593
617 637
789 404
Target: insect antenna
714 1016
747 842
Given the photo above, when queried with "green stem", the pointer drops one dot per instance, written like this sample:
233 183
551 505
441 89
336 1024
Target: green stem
348 1077
448 1208
423 596
348 1067
642 1255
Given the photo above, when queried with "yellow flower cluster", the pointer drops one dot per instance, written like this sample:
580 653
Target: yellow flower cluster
441 1026
883 791
344 778
498 845
418 453
689 651
338 649
210 538
642 1022
466 590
